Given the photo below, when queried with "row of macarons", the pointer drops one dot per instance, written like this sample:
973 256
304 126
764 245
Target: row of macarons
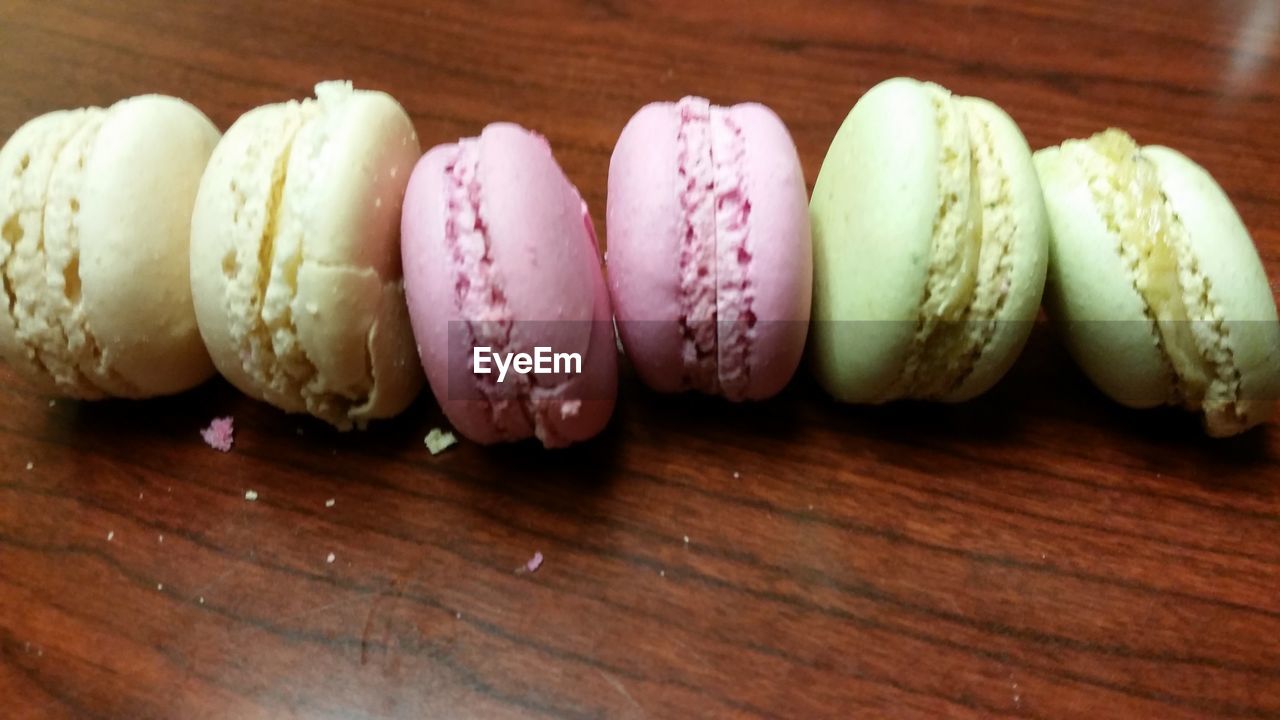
316 259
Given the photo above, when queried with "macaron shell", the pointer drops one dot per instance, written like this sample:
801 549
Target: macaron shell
543 246
1090 295
85 370
780 272
140 184
645 226
538 242
1240 290
354 214
1029 253
358 156
872 213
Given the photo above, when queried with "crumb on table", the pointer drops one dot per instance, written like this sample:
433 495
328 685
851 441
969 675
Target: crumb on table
220 433
533 563
437 441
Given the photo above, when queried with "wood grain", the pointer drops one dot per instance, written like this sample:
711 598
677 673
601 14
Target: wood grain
1038 553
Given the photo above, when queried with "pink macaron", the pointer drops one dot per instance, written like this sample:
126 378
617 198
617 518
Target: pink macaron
500 259
710 258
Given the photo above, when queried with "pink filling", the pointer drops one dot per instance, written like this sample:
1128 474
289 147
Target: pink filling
698 248
715 295
482 304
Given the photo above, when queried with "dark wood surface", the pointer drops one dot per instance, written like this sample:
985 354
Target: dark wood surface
1039 553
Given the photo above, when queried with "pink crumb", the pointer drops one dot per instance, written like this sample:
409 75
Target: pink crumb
219 434
534 563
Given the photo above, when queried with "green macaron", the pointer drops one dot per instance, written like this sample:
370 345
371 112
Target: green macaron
930 245
1155 284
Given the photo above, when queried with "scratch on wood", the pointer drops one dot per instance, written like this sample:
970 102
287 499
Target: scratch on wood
622 690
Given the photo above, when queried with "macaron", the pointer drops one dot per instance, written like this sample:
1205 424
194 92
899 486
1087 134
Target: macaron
295 260
1155 284
95 218
710 260
501 260
930 247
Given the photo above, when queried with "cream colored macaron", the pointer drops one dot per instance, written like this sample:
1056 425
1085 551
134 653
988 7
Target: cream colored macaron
930 244
1155 284
295 258
95 217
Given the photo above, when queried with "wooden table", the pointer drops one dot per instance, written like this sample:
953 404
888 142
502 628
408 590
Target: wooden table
1038 553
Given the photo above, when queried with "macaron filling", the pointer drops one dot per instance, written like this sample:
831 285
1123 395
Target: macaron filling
969 264
697 174
1151 239
482 304
26 266
281 258
256 288
957 227
62 253
478 297
717 322
999 229
40 255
